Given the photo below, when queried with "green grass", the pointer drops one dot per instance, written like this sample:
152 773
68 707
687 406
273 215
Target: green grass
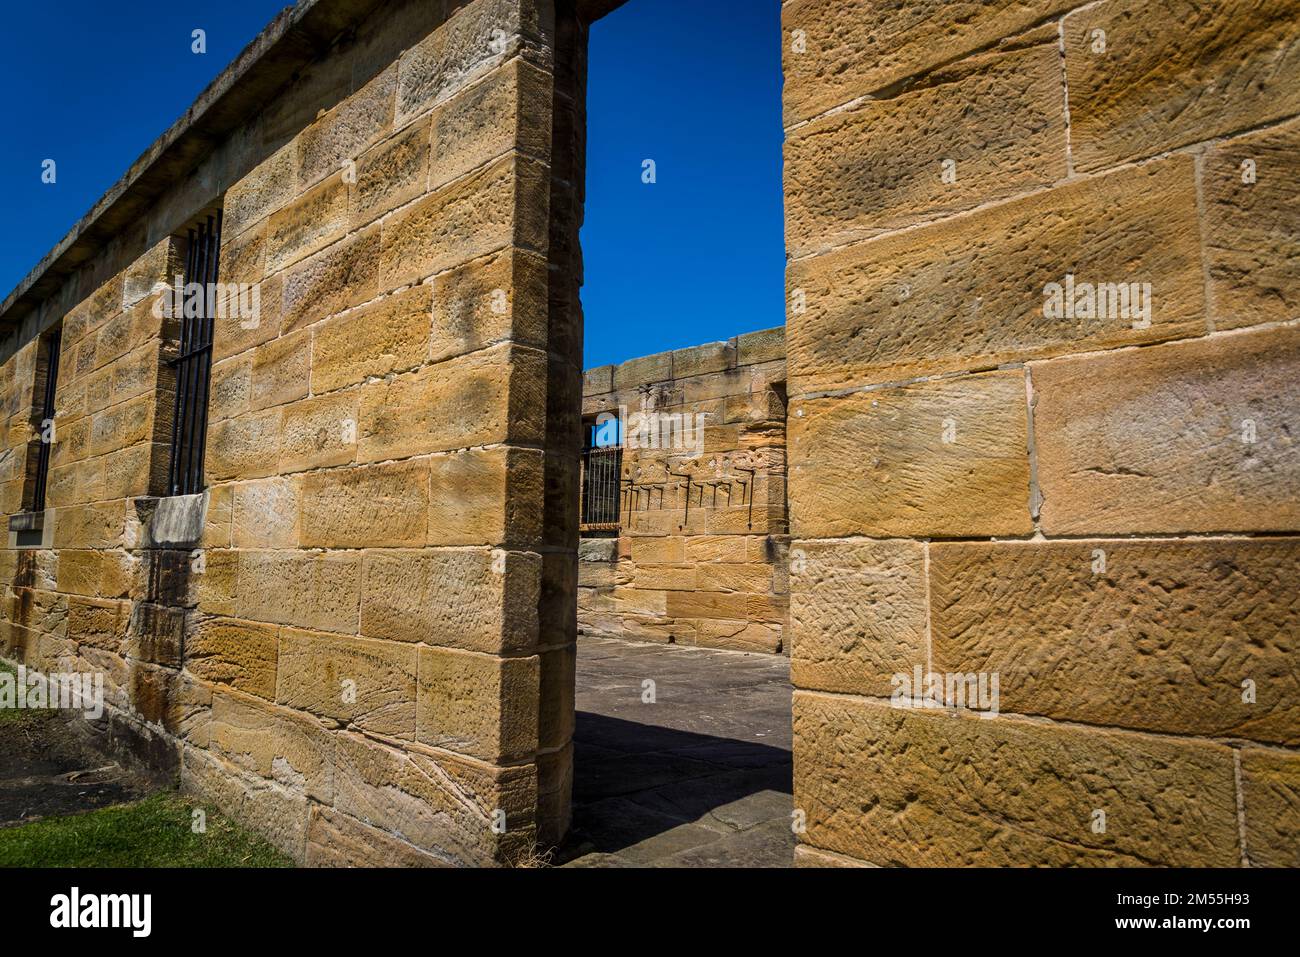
154 832
20 717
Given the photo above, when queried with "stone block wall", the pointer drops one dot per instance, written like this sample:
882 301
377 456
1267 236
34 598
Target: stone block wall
712 572
359 638
346 649
1096 506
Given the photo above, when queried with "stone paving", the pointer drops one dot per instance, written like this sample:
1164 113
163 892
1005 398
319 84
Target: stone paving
700 778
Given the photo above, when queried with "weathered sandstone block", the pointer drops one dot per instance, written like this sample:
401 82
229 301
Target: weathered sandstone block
916 787
1085 631
307 589
241 654
1225 68
477 705
857 614
852 48
389 335
369 685
500 205
946 458
367 506
1252 227
983 129
440 802
973 291
486 497
472 599
1270 784
1188 437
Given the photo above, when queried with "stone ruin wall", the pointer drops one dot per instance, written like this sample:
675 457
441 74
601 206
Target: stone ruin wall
1102 511
714 573
375 465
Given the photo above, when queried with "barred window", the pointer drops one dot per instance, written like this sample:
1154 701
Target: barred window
47 383
193 366
602 473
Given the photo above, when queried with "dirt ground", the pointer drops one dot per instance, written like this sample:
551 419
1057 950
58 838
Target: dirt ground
47 769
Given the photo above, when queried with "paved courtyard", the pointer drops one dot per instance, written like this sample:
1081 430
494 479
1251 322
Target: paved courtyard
701 777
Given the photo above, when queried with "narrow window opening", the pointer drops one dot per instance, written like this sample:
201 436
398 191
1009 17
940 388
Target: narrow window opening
47 383
193 365
602 475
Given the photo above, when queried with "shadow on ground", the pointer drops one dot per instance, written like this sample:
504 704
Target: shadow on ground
701 777
48 770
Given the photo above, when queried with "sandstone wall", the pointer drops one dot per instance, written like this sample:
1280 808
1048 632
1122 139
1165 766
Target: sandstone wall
712 573
1100 509
354 647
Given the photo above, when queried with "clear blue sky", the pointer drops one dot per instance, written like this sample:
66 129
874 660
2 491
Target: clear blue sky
694 85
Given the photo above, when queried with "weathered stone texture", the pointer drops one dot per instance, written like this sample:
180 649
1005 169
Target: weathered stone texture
1188 437
859 48
894 786
946 458
983 129
969 292
473 599
1251 186
1270 784
1156 635
368 685
857 614
1226 67
478 705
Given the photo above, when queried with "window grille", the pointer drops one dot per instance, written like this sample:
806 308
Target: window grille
45 422
602 470
194 364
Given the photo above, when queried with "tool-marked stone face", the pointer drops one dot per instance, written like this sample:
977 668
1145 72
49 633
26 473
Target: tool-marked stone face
945 458
1137 90
834 52
857 614
1270 783
477 705
896 786
1188 437
984 128
369 685
974 291
1252 227
452 598
1076 630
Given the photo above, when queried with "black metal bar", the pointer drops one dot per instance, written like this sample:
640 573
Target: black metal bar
196 339
687 475
187 449
753 478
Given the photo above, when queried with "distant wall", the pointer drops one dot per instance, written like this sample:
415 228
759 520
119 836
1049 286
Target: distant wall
712 573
